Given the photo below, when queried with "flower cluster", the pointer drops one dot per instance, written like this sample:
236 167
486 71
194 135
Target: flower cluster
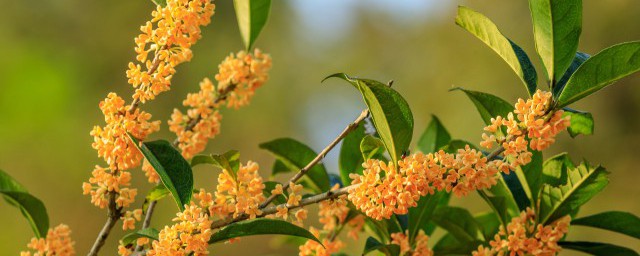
238 77
58 242
388 189
293 199
238 192
523 237
169 35
421 247
129 219
531 121
190 234
106 181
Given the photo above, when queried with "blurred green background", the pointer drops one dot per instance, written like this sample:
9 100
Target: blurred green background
60 58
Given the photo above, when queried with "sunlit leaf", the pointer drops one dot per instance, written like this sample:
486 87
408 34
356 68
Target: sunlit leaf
31 207
132 237
581 122
434 137
371 146
350 159
252 16
621 222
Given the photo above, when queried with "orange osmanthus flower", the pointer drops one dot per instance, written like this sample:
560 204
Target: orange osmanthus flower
58 242
190 234
239 193
104 181
421 247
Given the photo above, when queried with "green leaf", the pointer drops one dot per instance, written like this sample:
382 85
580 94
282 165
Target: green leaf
517 190
575 64
598 249
350 159
490 223
488 105
31 207
581 122
454 145
132 237
583 183
371 146
604 68
420 216
162 3
279 167
434 137
501 201
296 155
485 30
157 193
390 113
260 226
556 27
458 222
533 174
555 170
374 245
252 16
621 222
174 171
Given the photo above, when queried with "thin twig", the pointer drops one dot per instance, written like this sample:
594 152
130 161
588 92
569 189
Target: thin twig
114 213
147 219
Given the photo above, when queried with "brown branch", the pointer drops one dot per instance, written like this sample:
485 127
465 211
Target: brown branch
114 213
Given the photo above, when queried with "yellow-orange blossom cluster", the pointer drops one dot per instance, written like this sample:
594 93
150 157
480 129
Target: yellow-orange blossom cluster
58 242
393 188
421 246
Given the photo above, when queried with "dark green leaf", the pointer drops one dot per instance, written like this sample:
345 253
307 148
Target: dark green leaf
581 122
489 224
604 68
485 30
390 113
420 216
174 171
517 190
598 249
260 226
458 222
31 207
621 222
434 137
557 26
296 155
501 201
252 16
279 167
374 245
371 146
575 64
132 237
350 159
449 245
488 105
533 174
583 183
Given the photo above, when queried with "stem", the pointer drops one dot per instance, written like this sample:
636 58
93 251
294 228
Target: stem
320 156
147 219
114 213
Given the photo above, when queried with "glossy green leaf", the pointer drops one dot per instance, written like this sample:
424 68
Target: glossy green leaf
252 16
449 245
261 226
371 146
575 64
583 183
390 113
434 137
501 201
489 224
31 207
598 249
485 30
296 155
621 222
458 222
374 245
581 122
488 105
533 175
420 216
174 171
557 25
555 170
350 159
132 237
517 190
604 68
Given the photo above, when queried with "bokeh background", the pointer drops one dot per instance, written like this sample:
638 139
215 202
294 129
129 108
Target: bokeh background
60 58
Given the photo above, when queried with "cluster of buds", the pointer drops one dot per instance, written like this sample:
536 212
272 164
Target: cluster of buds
524 237
421 247
58 242
238 193
188 236
106 181
239 75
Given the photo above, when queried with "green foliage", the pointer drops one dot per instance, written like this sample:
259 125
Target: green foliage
557 26
420 216
374 245
533 175
157 193
371 146
131 238
229 161
295 156
598 249
485 30
434 137
602 69
174 171
501 201
488 105
621 222
252 16
350 159
575 64
31 207
583 183
260 226
459 223
581 122
390 113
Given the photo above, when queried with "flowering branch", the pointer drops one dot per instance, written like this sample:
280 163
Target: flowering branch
114 213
